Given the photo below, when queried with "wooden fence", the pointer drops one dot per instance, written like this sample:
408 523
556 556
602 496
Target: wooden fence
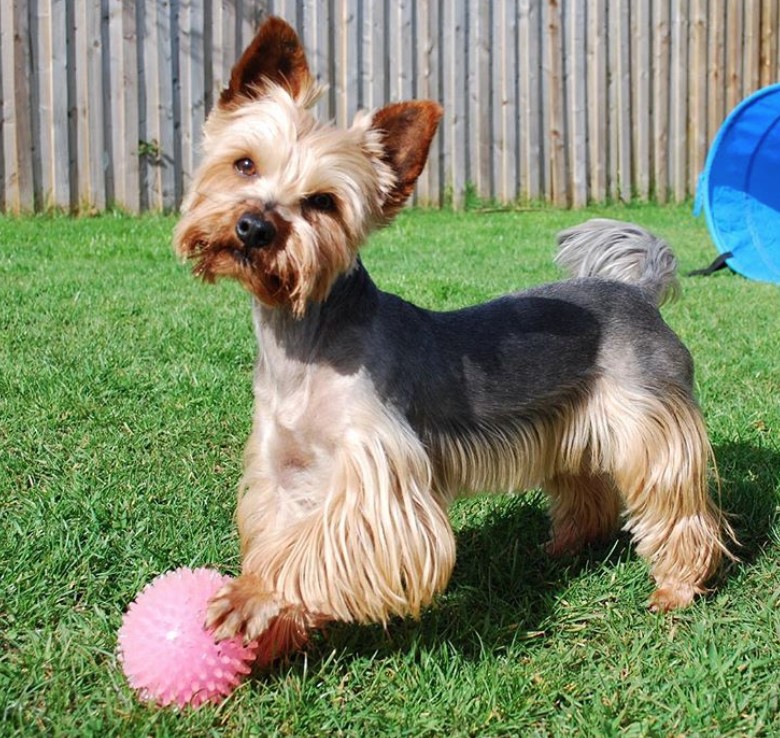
567 101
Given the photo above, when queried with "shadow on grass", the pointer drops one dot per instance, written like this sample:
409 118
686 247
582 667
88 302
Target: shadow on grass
502 590
504 585
750 477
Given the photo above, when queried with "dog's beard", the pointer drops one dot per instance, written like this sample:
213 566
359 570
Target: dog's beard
299 268
249 268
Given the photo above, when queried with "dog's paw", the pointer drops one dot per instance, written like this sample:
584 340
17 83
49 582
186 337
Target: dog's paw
671 597
242 606
564 541
558 548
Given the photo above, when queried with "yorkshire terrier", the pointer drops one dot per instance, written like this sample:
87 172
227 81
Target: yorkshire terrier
372 415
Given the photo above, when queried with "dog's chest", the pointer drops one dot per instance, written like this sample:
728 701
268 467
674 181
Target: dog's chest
308 400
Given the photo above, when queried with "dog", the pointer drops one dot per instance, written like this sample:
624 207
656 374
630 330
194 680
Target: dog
372 414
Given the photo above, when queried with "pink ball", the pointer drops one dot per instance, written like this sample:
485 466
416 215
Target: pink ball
165 650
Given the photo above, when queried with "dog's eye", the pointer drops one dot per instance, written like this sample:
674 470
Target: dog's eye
245 167
322 201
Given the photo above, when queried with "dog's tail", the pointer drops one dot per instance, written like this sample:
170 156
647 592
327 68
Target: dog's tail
612 249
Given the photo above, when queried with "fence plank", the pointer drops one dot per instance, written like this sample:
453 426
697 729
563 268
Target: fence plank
734 49
197 80
116 150
596 69
122 136
433 65
697 98
751 68
424 87
186 61
641 66
251 12
227 47
661 26
131 104
679 103
89 107
364 51
483 103
9 170
457 163
348 39
25 142
399 50
380 77
167 180
554 96
768 53
315 28
150 126
505 75
716 66
51 67
576 113
5 128
40 100
621 131
530 32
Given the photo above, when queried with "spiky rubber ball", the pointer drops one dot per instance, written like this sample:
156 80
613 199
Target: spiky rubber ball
166 652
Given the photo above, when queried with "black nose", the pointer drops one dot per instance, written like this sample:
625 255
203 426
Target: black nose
254 231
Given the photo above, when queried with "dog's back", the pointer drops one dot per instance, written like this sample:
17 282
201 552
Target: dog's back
534 352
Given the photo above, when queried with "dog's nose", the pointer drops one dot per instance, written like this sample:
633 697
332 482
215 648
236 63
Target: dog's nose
255 231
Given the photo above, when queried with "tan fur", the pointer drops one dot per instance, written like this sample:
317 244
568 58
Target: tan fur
344 512
625 450
377 544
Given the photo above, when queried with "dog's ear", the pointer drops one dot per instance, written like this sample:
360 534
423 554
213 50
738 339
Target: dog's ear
406 130
275 55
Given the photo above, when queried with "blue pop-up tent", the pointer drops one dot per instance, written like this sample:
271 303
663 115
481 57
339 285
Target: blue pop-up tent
739 189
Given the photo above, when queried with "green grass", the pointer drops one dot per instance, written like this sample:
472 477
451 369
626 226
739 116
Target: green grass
125 402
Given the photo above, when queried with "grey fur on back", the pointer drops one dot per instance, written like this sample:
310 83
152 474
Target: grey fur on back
613 249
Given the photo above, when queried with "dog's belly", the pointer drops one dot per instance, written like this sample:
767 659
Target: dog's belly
518 454
470 465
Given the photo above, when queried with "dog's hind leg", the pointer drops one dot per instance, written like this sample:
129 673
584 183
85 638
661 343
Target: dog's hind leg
584 508
659 456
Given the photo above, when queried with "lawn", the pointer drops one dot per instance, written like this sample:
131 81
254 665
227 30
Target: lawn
125 401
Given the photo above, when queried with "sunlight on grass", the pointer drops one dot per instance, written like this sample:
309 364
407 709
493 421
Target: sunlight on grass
125 401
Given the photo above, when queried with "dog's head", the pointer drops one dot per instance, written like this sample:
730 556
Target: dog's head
282 202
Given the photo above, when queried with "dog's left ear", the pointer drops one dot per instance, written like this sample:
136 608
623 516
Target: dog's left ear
406 130
275 55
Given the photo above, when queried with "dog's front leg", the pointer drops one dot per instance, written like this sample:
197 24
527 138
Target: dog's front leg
377 543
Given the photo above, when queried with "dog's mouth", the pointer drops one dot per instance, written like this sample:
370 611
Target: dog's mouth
216 259
241 256
249 267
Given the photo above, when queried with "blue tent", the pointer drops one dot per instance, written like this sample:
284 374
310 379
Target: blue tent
740 187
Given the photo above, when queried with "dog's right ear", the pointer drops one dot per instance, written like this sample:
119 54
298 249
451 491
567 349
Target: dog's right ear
275 55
